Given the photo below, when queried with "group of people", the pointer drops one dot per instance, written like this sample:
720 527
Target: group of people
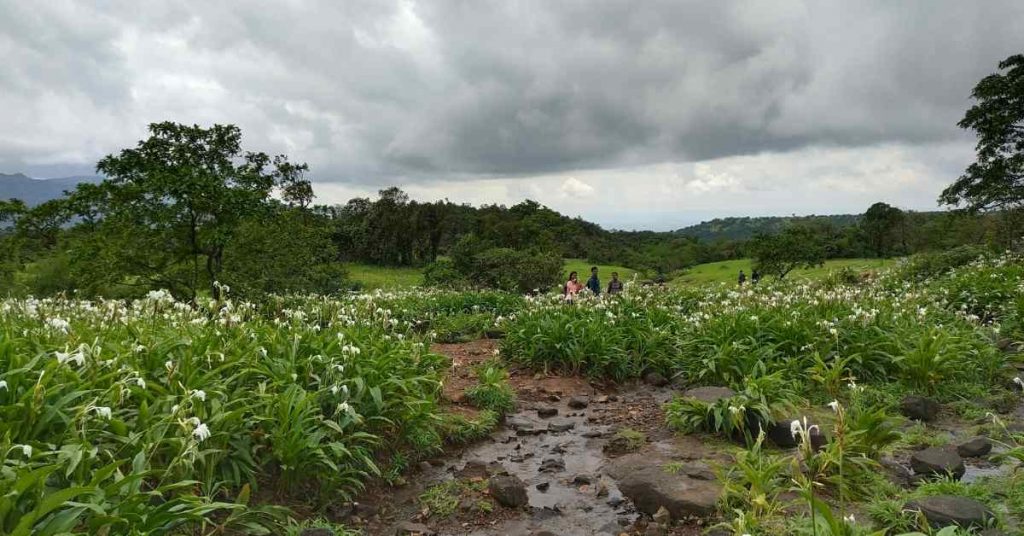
573 286
755 276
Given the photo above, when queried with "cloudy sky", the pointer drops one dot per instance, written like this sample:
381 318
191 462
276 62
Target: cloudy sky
652 114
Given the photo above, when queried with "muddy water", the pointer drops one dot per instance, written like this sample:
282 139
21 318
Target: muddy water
560 459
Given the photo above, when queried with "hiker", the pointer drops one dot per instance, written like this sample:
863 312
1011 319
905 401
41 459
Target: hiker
572 286
755 276
614 286
594 284
743 278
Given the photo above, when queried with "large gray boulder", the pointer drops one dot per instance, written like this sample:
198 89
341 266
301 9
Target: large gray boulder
650 487
934 461
975 448
945 510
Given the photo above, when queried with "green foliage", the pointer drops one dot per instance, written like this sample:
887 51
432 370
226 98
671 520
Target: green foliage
443 274
743 415
996 179
478 264
492 391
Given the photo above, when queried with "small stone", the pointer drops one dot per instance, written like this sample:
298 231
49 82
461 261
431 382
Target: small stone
662 517
543 486
655 379
919 408
945 510
554 398
582 479
365 510
558 427
615 498
579 402
975 448
938 461
425 466
413 529
552 465
546 412
508 490
603 399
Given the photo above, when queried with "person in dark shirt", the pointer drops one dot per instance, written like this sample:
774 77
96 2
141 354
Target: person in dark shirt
743 278
594 284
755 276
615 286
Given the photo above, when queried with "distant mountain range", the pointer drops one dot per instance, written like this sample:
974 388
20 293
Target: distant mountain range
35 191
744 228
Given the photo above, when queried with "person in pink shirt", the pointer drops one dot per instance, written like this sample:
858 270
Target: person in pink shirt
572 286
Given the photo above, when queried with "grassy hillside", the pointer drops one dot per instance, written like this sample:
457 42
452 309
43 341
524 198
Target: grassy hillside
727 271
372 277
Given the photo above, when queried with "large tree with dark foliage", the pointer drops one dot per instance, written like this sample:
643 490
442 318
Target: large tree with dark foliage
171 206
996 179
797 246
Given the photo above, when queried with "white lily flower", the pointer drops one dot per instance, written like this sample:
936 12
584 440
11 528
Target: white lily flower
103 412
26 450
3 384
201 432
198 393
834 405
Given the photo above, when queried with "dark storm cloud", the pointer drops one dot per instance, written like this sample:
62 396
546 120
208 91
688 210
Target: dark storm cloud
370 91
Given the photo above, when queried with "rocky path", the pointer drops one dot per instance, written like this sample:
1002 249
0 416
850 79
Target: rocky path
581 458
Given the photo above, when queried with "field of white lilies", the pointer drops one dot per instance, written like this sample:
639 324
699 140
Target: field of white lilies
157 416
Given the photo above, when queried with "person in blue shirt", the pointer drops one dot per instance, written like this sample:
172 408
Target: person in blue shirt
594 284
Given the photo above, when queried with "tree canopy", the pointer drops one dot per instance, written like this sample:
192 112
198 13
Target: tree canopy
996 179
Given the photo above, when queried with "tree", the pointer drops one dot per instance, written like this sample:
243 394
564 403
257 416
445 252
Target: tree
170 207
795 247
996 179
883 227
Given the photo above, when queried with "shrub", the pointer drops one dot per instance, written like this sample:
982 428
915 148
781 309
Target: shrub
492 392
442 273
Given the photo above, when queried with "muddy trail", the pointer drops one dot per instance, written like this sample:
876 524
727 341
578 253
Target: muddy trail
578 458
569 446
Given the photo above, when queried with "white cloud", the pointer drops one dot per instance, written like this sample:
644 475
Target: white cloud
575 188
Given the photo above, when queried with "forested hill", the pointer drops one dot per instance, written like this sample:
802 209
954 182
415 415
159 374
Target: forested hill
746 227
35 191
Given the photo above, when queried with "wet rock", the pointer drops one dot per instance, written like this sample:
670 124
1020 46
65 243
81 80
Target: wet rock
818 440
662 517
651 488
554 398
561 426
699 471
409 528
582 479
552 465
975 448
938 461
543 486
589 434
508 490
896 472
316 532
495 334
546 412
1005 344
615 498
709 395
655 379
477 468
945 510
919 408
781 435
365 510
579 402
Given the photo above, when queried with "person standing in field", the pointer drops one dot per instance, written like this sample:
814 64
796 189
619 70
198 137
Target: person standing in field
614 286
743 278
572 287
594 284
755 276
